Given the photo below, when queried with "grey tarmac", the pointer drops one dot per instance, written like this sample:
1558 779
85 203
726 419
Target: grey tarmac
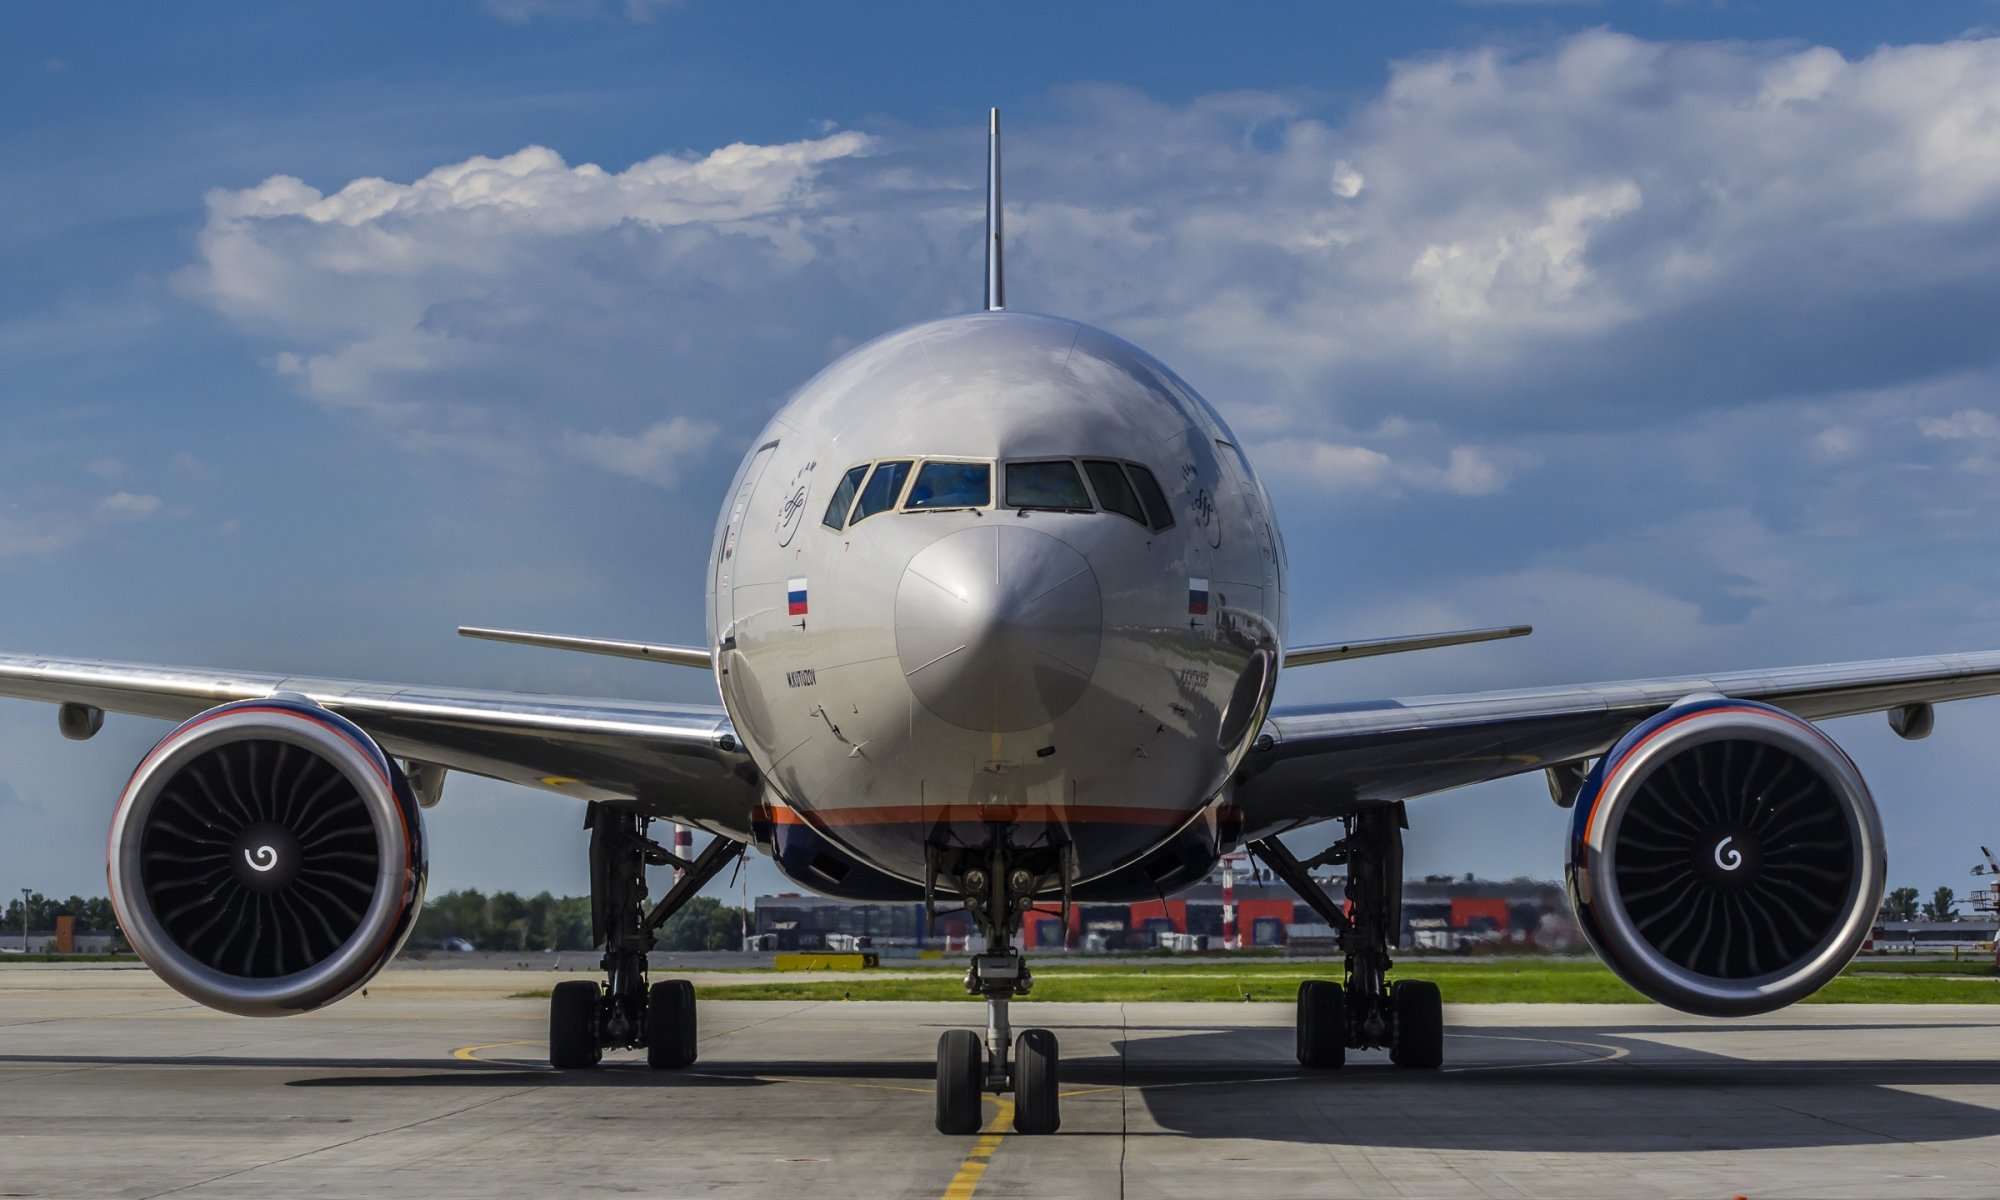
431 1086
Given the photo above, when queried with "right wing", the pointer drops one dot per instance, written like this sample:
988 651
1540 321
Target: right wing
678 761
1314 763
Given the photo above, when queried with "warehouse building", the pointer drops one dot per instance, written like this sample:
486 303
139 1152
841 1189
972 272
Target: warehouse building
1439 912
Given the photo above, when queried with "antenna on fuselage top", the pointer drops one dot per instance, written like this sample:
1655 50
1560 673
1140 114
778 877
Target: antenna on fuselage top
996 288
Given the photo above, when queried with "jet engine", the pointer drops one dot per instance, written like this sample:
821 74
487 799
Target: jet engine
267 857
1725 858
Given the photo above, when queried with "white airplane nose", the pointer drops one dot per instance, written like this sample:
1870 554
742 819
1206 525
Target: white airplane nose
998 627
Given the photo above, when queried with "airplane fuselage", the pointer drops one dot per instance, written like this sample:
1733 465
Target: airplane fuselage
951 609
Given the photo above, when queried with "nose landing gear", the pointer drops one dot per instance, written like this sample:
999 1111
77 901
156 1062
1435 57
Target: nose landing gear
996 889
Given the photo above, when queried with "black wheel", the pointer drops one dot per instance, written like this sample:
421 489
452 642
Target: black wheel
959 1082
1417 1038
1037 1105
573 1042
1322 1025
670 1030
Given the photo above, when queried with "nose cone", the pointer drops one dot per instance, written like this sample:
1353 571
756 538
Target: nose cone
998 627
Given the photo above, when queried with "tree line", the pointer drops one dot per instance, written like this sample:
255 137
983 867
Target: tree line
507 921
502 921
1901 905
93 915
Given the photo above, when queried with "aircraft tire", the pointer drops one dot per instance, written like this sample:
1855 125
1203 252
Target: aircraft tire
573 1042
1417 1040
1037 1100
959 1082
670 1025
1322 1025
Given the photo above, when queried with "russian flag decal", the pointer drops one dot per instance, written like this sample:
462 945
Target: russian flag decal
795 596
1197 597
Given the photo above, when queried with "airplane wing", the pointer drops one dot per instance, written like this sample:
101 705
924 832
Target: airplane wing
671 760
1315 762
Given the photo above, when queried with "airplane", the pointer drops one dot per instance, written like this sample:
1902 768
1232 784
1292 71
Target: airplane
997 613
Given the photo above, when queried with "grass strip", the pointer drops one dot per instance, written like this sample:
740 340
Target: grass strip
1490 982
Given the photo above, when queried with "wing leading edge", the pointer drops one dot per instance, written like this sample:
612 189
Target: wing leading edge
672 760
1312 763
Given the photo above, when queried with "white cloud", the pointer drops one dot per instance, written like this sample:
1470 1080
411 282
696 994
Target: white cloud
655 455
479 308
1837 443
1337 466
1602 235
1966 423
128 506
521 12
25 534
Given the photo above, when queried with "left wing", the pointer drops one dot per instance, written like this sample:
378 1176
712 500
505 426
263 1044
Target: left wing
679 761
1312 763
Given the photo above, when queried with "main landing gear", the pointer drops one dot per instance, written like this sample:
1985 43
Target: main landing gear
586 1017
997 887
1364 1010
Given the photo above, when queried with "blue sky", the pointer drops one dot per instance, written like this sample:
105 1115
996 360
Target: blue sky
1667 327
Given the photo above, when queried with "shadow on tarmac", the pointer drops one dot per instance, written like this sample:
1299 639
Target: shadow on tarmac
1534 1089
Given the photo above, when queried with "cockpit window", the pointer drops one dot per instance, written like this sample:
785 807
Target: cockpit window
883 487
843 498
951 485
1107 479
1158 514
1046 485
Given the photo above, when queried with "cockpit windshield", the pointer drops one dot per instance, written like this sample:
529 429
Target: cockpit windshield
843 498
951 485
1053 484
882 489
1039 485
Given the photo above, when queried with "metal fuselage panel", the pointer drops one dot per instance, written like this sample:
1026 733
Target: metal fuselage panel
1095 720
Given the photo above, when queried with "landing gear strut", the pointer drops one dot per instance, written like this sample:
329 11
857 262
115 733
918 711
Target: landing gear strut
586 1017
996 887
1364 1010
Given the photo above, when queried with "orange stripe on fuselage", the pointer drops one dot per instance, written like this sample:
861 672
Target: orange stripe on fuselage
930 814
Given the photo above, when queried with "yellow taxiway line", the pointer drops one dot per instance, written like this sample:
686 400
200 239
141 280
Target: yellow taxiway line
973 1169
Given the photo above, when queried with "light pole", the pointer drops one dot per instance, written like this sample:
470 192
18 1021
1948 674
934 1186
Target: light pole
25 893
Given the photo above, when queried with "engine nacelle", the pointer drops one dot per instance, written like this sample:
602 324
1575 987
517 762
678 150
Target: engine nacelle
1725 858
267 857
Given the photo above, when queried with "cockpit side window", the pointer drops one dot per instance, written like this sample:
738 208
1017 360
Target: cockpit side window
1052 485
1114 494
883 488
1158 514
843 498
943 485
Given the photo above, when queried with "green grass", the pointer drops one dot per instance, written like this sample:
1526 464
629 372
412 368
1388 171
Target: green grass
1581 982
1474 981
1981 967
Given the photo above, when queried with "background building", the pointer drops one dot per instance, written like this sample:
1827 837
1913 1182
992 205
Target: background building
1439 912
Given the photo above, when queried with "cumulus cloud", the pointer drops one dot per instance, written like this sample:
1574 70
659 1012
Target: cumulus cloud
1604 235
51 528
476 308
23 534
655 455
521 12
128 506
1335 466
1965 424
